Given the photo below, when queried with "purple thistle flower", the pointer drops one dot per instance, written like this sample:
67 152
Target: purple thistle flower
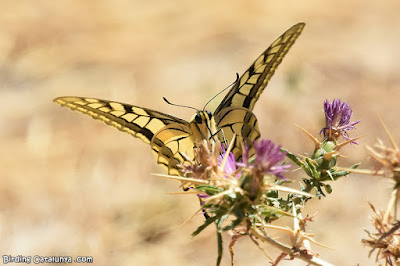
267 157
230 165
337 119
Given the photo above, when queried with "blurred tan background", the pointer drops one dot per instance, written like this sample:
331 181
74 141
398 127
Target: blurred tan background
73 186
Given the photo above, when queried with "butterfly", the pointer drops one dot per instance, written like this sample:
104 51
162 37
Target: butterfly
173 139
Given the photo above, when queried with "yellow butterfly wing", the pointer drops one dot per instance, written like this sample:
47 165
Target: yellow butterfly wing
240 122
172 145
251 84
234 114
169 137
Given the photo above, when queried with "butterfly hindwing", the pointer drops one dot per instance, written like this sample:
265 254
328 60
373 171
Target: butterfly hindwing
172 145
240 122
166 134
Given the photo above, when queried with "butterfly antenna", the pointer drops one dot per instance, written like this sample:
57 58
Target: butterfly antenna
178 105
237 78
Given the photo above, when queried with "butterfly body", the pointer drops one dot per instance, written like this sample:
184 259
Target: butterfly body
173 139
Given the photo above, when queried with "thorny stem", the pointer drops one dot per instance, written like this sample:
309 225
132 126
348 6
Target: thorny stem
260 248
392 206
312 260
297 217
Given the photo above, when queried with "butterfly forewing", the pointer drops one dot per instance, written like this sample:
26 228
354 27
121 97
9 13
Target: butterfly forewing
168 136
251 84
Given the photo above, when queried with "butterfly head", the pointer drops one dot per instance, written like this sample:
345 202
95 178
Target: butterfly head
202 117
203 126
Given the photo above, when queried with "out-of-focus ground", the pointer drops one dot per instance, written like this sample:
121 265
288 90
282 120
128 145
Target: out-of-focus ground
72 186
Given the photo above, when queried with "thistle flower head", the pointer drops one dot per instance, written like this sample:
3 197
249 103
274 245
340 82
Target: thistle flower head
337 120
267 157
387 158
385 238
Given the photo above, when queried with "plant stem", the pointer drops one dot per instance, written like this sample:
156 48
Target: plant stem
310 259
392 206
